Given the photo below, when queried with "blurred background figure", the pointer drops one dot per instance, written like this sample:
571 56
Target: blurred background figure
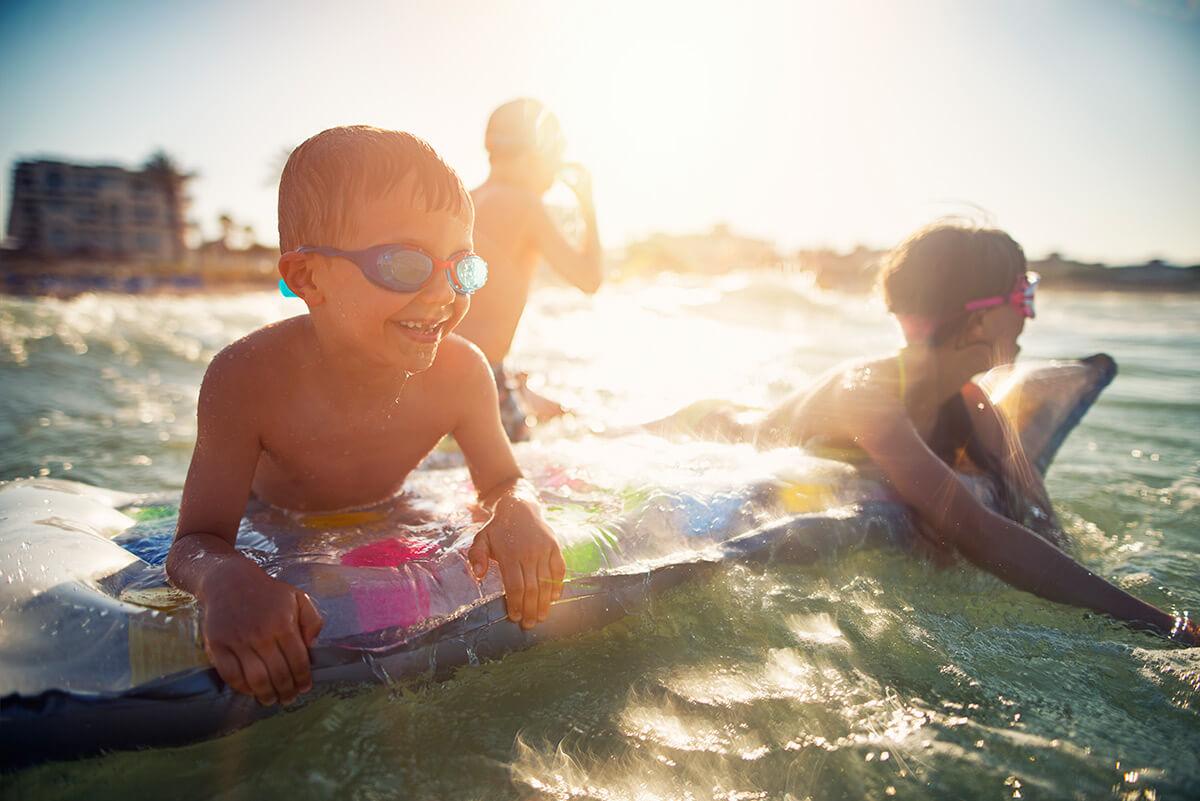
514 233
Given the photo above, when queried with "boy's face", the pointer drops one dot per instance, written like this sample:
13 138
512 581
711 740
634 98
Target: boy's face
379 323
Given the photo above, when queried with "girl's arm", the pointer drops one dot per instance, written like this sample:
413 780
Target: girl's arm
996 544
1023 482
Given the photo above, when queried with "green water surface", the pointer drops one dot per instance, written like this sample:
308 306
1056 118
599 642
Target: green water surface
877 676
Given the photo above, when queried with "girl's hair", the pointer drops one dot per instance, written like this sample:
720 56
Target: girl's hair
942 267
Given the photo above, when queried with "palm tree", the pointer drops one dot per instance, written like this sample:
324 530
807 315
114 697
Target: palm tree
165 172
227 228
275 171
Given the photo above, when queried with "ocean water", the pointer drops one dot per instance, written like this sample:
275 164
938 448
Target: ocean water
875 676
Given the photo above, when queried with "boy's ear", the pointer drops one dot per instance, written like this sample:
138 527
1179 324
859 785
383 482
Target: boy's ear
296 270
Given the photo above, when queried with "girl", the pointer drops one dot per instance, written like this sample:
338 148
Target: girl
962 296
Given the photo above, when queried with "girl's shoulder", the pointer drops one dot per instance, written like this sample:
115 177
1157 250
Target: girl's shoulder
870 383
849 400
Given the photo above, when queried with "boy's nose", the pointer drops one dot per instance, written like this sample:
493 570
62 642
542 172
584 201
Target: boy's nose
437 289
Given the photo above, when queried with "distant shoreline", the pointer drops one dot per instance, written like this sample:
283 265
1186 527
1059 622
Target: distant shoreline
715 251
856 272
68 286
200 273
852 272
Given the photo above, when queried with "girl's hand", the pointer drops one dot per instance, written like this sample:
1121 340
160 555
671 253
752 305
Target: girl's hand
1186 631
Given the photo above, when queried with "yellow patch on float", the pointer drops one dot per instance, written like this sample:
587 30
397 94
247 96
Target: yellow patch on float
343 519
799 498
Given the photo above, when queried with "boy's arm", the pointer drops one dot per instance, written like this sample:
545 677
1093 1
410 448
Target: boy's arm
1004 548
256 629
516 537
583 268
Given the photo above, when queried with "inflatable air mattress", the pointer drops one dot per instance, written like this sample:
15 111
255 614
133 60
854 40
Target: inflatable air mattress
98 651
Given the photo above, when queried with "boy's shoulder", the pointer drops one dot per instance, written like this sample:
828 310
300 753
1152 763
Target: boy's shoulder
459 377
262 356
459 360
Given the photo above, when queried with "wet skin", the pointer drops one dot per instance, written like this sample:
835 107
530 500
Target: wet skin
514 233
864 406
855 399
334 409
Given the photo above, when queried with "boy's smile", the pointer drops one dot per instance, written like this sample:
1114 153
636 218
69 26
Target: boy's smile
424 331
378 327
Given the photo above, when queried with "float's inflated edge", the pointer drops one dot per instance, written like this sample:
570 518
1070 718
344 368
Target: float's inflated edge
196 705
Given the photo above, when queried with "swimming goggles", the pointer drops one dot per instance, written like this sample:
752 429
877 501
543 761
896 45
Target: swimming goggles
1021 298
405 268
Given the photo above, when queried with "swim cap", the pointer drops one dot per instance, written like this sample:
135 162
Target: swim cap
522 126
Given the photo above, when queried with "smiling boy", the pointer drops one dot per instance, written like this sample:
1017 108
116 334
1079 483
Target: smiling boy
335 407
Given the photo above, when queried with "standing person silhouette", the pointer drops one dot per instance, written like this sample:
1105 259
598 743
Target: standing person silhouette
514 232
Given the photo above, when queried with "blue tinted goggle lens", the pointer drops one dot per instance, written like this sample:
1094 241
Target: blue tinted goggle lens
470 275
403 270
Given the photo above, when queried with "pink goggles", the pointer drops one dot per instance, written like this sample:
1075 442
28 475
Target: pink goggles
1021 298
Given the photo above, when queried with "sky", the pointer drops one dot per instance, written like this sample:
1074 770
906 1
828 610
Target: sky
1073 124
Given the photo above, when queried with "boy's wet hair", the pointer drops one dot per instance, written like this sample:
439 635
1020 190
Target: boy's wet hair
331 174
942 267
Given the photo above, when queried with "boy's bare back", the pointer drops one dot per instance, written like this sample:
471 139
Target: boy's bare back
509 223
515 232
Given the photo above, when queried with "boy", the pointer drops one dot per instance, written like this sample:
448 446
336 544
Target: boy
333 408
514 231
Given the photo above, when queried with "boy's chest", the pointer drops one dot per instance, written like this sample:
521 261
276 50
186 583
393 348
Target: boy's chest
325 456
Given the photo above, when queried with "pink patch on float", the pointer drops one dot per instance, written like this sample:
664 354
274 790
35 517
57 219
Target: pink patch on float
402 603
389 553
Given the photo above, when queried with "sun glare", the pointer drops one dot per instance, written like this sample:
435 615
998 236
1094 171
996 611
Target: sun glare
664 106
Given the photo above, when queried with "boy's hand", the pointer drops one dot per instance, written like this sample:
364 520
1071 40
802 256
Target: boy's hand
257 632
531 566
578 179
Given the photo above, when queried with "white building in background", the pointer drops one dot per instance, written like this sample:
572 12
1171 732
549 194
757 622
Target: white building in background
74 211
